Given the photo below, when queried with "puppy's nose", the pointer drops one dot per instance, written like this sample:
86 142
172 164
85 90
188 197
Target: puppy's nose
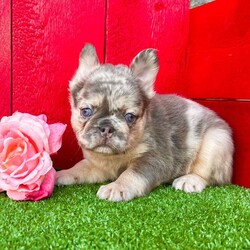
107 130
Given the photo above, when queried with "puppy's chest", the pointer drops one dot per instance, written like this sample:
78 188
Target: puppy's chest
113 164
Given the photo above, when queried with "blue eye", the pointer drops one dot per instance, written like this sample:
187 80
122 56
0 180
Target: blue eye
86 112
130 118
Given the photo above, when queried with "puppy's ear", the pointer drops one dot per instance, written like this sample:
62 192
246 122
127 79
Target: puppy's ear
145 68
88 61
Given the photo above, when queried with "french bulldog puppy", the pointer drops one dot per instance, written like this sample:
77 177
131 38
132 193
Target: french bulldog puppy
138 139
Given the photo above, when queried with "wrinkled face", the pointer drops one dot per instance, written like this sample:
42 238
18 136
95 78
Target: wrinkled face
109 102
109 110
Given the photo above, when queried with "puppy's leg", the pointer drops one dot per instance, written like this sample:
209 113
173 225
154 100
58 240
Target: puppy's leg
213 164
128 186
82 172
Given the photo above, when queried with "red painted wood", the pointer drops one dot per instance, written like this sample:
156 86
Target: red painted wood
237 114
48 36
218 67
5 58
47 39
160 24
219 52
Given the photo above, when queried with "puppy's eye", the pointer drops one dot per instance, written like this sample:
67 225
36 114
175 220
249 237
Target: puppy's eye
86 112
130 118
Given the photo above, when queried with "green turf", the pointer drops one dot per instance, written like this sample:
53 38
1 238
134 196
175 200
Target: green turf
73 218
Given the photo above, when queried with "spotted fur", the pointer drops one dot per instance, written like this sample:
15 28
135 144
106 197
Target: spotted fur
170 139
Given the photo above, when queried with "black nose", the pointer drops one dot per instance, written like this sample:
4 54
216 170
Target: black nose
107 130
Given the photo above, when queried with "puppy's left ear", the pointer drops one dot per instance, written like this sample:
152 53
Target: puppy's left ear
145 67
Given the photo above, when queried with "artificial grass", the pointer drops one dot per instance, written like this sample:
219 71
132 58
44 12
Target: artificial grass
74 218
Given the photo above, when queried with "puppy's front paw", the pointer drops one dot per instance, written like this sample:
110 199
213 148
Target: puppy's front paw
115 192
190 183
65 178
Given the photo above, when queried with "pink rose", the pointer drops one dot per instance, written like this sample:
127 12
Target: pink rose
26 142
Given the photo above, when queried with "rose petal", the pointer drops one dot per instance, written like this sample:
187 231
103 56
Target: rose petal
42 168
26 167
35 186
46 189
55 138
36 135
44 165
25 130
33 126
13 148
6 127
15 195
20 194
42 117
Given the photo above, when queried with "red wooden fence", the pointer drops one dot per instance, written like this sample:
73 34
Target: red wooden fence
47 37
203 54
219 70
5 58
135 25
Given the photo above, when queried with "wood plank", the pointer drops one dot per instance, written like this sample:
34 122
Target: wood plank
237 114
5 58
47 39
163 25
219 50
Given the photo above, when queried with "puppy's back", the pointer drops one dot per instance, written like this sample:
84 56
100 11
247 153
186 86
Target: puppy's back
181 127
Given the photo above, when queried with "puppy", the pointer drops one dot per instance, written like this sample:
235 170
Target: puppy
138 139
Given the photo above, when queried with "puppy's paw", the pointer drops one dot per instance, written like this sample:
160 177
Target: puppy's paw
190 183
65 178
115 192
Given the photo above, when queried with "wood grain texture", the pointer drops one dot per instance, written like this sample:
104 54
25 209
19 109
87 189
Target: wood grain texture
47 39
163 25
219 50
237 114
5 58
48 36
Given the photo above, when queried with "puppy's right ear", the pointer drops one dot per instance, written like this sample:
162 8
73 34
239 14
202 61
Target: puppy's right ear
88 61
145 67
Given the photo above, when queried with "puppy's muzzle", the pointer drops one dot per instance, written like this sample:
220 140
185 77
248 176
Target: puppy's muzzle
107 131
106 128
